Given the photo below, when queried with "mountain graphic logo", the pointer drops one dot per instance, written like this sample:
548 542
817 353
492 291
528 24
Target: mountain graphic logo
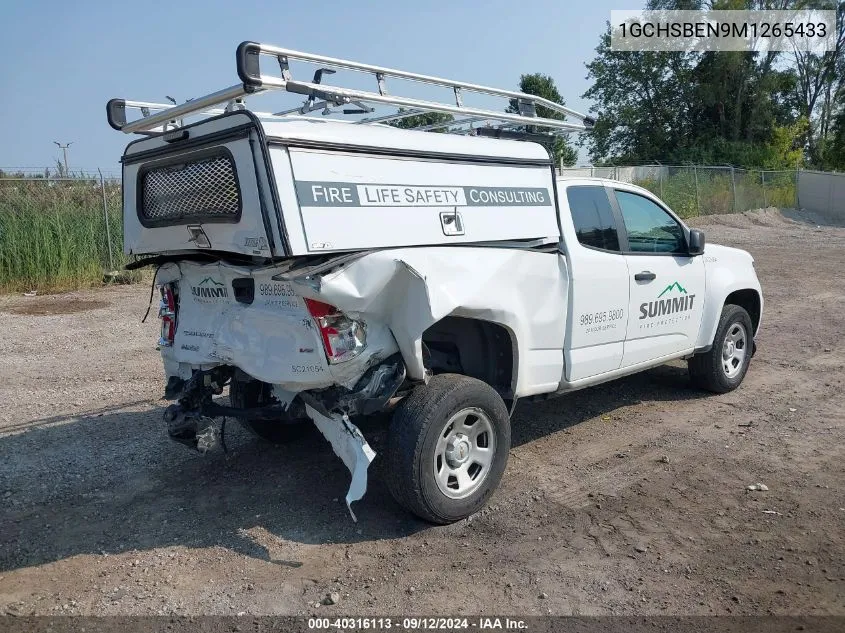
209 279
209 288
673 305
673 286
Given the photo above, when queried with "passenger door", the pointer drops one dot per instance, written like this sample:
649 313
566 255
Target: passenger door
598 297
666 283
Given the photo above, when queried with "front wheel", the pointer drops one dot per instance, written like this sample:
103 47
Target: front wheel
448 446
723 367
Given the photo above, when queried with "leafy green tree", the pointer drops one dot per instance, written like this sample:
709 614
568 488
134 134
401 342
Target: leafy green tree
820 82
644 103
540 85
678 107
834 148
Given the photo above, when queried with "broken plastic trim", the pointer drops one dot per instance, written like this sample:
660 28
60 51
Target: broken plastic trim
348 443
377 386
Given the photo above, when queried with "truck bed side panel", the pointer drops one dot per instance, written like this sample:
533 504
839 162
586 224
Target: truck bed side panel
411 289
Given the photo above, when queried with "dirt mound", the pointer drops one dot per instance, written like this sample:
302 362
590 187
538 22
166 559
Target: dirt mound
771 217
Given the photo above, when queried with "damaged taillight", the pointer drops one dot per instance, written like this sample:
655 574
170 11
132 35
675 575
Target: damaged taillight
343 338
167 314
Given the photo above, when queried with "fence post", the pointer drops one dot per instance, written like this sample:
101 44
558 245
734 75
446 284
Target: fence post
733 185
660 171
697 201
765 199
106 218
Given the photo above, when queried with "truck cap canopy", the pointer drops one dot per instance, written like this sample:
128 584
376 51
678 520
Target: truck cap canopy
380 137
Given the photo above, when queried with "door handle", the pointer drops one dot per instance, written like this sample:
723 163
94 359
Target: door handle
645 275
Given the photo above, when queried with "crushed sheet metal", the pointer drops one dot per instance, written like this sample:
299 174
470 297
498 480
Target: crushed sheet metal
398 293
349 444
410 289
273 338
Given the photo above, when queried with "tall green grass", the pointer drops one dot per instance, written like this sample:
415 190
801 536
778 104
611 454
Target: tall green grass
719 192
53 233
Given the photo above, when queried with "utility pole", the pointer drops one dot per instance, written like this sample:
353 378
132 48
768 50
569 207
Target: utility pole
64 153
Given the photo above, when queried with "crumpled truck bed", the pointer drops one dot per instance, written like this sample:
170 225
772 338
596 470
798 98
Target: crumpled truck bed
273 338
398 293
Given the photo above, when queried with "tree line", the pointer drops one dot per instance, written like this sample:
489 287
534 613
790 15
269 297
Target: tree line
773 110
776 110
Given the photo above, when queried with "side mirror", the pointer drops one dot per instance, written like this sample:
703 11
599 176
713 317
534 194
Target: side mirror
696 242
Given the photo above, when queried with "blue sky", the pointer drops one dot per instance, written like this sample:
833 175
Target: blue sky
64 60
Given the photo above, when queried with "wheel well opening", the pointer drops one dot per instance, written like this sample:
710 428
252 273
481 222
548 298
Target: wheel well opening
750 301
471 347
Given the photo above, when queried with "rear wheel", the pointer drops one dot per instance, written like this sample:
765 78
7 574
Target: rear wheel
254 393
448 446
723 367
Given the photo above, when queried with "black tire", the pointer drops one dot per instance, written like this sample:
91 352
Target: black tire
417 426
707 370
254 394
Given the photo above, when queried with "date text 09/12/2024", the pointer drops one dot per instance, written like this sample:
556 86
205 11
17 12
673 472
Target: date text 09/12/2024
417 624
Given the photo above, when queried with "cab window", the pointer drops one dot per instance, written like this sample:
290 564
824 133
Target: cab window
650 228
593 217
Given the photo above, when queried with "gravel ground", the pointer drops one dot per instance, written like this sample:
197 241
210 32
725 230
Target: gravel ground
629 498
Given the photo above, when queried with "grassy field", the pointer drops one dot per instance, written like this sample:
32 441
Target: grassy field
53 234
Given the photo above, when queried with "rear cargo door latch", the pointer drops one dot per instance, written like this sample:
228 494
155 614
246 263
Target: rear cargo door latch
451 222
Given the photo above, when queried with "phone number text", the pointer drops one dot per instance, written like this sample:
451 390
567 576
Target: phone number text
603 316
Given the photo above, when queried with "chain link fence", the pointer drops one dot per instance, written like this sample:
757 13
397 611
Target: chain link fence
59 232
692 190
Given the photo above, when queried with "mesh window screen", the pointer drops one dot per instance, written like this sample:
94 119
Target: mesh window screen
201 189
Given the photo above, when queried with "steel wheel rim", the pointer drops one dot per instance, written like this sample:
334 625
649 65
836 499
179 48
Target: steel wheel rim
734 349
463 455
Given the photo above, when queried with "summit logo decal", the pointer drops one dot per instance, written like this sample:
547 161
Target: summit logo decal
208 288
680 302
673 286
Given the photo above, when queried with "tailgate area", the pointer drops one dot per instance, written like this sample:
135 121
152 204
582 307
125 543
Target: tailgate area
240 316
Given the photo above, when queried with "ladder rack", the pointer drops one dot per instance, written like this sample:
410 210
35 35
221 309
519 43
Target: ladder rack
319 96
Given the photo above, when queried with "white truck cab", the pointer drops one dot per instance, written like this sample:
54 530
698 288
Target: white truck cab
324 270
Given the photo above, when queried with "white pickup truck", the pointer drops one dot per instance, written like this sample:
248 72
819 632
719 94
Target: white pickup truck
325 270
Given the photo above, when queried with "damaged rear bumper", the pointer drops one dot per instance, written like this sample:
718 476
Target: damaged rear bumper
191 420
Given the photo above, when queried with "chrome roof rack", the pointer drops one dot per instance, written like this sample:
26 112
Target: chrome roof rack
328 99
